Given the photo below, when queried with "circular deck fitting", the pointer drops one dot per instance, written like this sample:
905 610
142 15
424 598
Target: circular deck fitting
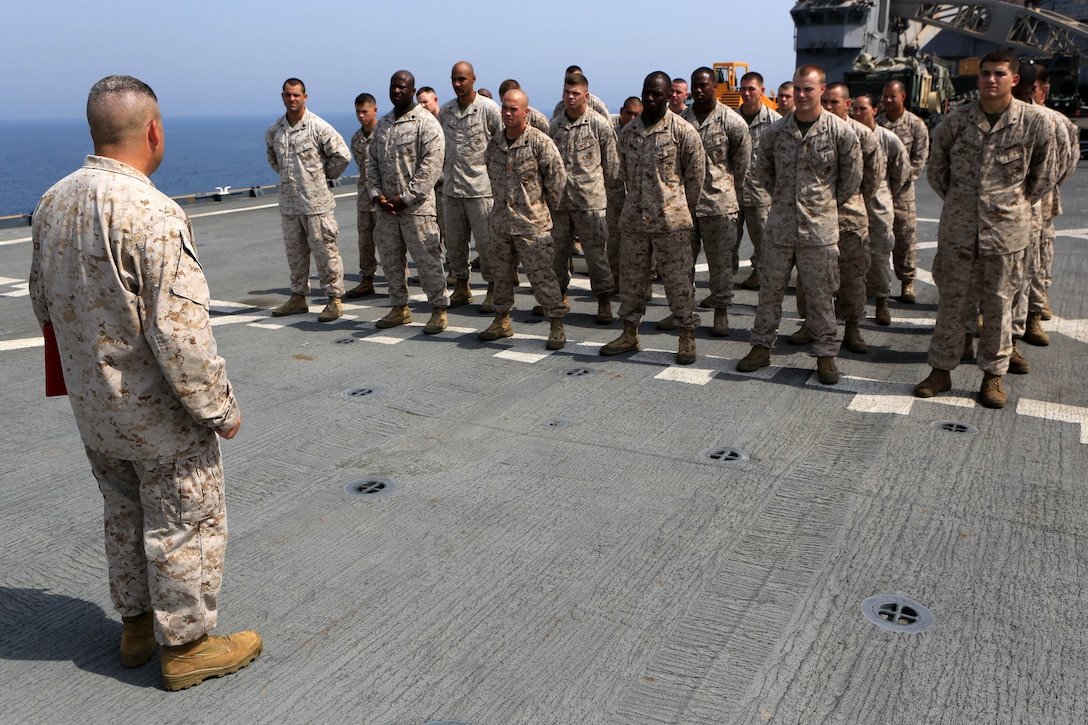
555 423
371 487
724 454
896 613
955 427
578 372
343 341
360 392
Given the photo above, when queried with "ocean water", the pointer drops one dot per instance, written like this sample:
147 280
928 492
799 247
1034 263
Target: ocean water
201 154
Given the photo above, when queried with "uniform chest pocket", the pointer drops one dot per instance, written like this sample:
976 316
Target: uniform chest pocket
1009 155
404 147
717 150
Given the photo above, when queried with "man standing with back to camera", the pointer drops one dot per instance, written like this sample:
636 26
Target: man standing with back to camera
306 152
115 272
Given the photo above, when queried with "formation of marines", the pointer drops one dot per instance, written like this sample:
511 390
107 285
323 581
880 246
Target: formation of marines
824 184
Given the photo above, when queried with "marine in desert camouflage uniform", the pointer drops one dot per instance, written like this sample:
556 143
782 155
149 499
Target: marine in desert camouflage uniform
404 164
307 152
663 165
755 202
115 273
366 213
991 160
811 164
528 179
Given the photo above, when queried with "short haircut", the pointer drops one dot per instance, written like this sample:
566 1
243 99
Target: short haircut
752 76
657 75
680 80
1002 55
702 69
812 68
294 82
632 101
874 99
365 99
508 85
787 86
1042 74
427 89
576 79
572 69
113 106
838 85
896 86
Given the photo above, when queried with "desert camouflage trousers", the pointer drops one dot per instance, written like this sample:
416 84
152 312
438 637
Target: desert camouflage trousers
717 235
672 252
306 234
166 536
969 283
612 218
905 229
538 261
365 222
466 220
1031 293
591 228
755 218
878 282
818 273
398 235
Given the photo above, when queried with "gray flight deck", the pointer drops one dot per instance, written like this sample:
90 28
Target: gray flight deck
573 539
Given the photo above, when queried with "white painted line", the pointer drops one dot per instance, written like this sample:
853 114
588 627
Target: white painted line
1076 329
12 280
25 292
520 356
225 306
694 376
1072 233
1056 411
15 241
22 344
236 319
268 325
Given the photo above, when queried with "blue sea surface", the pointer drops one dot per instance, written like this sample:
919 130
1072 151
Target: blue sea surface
201 154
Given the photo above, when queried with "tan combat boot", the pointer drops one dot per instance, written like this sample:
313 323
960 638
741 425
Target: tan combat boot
1046 315
991 394
488 305
138 643
499 328
210 656
399 315
627 342
826 372
752 282
802 337
685 353
604 309
758 357
364 288
1018 364
883 314
667 323
296 305
462 294
852 339
1034 333
721 323
705 302
968 353
938 381
557 338
332 311
907 294
437 323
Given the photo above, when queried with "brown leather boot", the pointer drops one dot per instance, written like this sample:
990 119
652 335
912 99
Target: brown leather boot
138 643
907 294
752 282
462 294
883 315
399 315
938 381
437 323
627 342
968 353
826 372
685 353
501 327
333 310
364 288
721 323
604 309
488 305
1034 334
991 394
758 357
803 336
210 656
1018 364
557 338
666 324
852 339
296 305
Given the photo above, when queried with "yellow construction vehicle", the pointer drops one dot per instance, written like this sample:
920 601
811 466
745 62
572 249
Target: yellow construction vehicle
727 81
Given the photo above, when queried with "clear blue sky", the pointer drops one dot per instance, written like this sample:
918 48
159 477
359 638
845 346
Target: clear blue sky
229 58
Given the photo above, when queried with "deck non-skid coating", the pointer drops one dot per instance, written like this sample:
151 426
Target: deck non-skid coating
598 572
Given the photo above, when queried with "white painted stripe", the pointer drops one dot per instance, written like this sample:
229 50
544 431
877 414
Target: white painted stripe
1056 411
267 325
236 319
694 376
224 306
9 242
520 356
382 339
22 344
12 280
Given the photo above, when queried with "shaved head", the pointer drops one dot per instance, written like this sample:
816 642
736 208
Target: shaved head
119 109
517 97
